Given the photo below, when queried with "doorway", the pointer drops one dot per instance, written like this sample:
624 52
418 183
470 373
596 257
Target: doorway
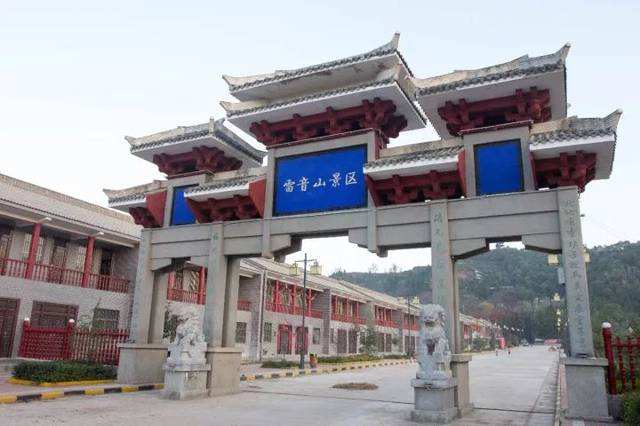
8 318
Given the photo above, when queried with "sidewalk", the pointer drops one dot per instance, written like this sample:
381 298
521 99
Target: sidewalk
10 392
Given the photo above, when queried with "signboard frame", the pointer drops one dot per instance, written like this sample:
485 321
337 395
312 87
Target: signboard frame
363 147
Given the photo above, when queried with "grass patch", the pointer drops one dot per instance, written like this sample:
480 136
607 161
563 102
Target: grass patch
281 363
62 371
355 386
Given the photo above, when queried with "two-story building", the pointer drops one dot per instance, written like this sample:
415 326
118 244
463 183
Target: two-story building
61 258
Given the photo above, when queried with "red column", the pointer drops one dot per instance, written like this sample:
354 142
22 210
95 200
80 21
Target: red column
611 367
33 250
202 285
88 260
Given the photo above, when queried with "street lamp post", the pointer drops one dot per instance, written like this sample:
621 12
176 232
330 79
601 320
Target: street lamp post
315 271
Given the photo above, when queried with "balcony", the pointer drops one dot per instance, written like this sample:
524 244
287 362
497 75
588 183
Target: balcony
184 296
348 318
58 275
244 305
386 323
407 326
292 310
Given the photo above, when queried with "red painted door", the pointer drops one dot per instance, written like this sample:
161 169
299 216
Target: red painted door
8 317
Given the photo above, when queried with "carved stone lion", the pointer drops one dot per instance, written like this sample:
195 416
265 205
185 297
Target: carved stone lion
434 356
189 346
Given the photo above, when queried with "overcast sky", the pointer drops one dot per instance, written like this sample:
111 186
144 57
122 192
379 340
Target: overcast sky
75 77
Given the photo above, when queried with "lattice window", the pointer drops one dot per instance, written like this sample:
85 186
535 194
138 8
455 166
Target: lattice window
315 339
267 332
44 314
241 332
105 319
27 243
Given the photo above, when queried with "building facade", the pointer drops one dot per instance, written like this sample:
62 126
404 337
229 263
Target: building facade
61 259
270 307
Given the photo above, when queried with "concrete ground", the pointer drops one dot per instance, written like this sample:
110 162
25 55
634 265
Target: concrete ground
519 389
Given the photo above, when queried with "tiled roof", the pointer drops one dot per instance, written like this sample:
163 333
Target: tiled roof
221 184
116 196
237 108
575 128
185 133
238 83
55 204
519 67
415 156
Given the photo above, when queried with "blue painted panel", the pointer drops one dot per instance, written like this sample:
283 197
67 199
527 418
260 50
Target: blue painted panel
327 180
498 167
181 214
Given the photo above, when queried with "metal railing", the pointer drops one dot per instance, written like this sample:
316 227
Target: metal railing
59 275
348 318
292 310
622 355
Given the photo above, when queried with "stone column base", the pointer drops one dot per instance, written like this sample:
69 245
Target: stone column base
460 371
586 389
141 363
433 401
224 377
185 381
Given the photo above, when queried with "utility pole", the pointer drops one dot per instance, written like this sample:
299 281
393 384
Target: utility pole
315 270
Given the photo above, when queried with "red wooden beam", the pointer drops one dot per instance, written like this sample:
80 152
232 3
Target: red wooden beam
377 114
33 250
199 159
412 189
565 170
88 260
532 105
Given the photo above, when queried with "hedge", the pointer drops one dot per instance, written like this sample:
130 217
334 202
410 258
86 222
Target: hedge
357 358
281 363
62 371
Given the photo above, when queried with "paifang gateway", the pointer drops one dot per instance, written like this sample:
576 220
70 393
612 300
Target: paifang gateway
509 166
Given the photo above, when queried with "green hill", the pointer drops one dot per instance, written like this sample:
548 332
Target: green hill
516 286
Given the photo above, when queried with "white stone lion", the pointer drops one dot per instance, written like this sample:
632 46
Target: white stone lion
434 356
189 345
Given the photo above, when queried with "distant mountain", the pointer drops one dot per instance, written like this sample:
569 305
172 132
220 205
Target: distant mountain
514 280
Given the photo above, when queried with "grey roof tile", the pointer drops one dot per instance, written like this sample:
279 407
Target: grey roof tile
281 75
185 133
415 156
279 104
519 67
575 128
56 204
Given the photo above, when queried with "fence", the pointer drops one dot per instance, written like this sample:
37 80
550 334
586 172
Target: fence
71 343
58 275
622 355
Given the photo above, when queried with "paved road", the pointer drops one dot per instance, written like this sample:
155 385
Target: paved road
517 389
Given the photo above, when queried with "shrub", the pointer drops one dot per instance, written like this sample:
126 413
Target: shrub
62 371
279 363
631 409
357 358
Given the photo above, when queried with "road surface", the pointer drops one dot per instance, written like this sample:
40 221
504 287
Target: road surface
518 389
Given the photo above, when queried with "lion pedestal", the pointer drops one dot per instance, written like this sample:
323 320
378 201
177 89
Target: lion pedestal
185 372
433 387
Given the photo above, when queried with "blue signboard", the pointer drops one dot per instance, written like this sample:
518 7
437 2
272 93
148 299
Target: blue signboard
181 214
326 180
498 167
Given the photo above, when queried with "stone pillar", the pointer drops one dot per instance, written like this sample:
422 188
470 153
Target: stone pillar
159 307
324 304
442 279
143 292
586 391
231 303
216 288
445 293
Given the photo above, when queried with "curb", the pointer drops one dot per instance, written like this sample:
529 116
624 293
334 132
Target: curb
48 395
324 370
59 384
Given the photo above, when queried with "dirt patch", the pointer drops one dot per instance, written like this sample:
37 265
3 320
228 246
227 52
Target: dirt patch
355 386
